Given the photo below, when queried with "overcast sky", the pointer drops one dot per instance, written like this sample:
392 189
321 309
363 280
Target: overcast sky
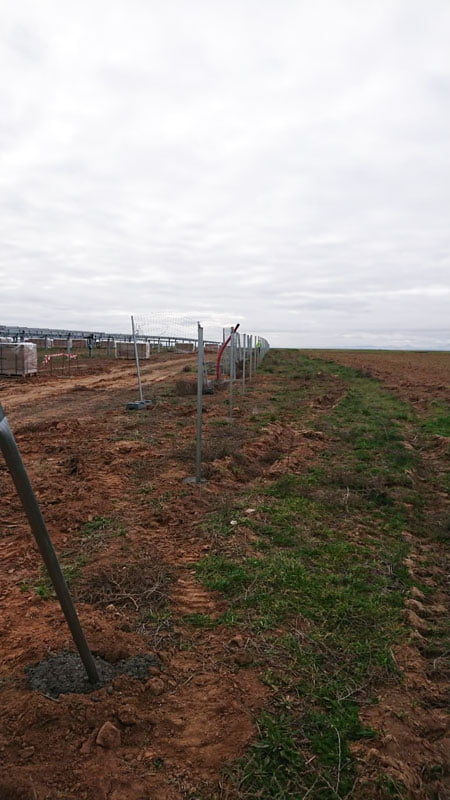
285 165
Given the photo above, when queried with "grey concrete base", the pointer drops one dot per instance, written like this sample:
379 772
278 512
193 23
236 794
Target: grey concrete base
64 673
139 405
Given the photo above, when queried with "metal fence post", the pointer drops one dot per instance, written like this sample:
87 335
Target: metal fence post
30 505
200 362
244 359
224 360
136 355
232 350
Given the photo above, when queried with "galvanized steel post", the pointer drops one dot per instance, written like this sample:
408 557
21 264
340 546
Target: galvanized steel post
244 359
200 363
30 505
232 352
136 355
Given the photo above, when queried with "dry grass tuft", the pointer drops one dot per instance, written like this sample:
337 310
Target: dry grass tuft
139 585
185 388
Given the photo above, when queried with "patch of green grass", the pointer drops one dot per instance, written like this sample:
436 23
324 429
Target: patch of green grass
275 762
279 768
70 570
221 574
323 591
216 525
95 531
162 617
367 421
286 486
95 525
200 621
334 583
392 788
439 420
283 519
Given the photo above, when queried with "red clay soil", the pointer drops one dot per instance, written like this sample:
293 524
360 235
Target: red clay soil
110 485
87 462
412 718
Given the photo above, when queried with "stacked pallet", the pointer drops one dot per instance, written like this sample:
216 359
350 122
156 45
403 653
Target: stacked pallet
185 347
79 344
60 344
18 358
211 348
126 349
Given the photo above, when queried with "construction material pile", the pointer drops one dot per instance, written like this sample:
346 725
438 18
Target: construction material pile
126 349
18 358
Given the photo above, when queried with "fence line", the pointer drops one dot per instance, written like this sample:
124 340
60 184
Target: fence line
236 355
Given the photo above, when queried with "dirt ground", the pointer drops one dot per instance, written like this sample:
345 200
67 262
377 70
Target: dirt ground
111 488
419 377
88 460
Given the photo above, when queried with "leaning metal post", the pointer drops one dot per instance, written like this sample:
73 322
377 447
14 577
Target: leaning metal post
136 355
30 505
198 459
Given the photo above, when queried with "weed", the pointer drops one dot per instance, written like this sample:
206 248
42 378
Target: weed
92 527
97 531
71 571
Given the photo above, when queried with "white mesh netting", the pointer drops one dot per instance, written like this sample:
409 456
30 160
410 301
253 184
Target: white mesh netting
168 325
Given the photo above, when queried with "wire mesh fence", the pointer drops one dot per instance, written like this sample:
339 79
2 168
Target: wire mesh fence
167 330
223 354
177 333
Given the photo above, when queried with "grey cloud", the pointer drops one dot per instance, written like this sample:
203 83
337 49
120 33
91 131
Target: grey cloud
230 159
